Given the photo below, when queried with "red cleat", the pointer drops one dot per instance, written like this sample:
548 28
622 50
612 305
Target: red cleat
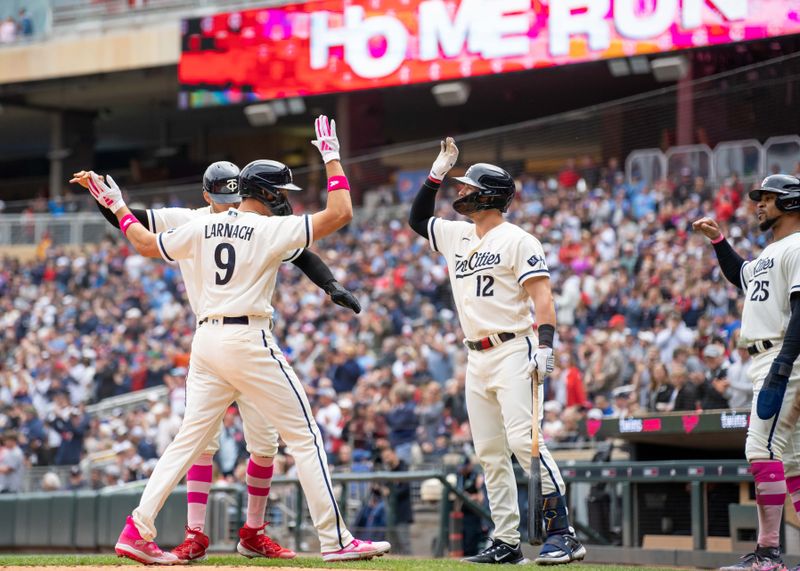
193 547
253 542
131 545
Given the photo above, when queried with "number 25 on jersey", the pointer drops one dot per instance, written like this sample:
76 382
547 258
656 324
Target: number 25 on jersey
760 291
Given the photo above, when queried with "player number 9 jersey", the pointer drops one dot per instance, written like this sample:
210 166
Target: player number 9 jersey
236 258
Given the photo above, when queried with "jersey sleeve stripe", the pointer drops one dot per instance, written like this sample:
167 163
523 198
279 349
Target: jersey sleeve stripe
741 276
152 219
163 251
293 256
308 231
795 288
432 234
531 273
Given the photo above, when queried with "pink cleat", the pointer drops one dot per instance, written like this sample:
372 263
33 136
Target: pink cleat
131 545
358 549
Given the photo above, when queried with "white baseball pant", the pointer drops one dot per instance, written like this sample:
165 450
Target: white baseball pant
231 359
499 404
777 438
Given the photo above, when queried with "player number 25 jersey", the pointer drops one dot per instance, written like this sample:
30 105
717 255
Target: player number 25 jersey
162 219
487 274
236 258
768 282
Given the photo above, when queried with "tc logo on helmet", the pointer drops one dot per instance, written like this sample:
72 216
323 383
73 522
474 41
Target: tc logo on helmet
233 185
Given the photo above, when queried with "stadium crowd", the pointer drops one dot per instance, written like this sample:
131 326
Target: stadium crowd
646 322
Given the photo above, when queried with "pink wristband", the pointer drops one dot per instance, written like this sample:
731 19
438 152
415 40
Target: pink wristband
126 222
338 183
718 240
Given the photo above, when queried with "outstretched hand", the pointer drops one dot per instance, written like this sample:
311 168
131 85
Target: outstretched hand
327 142
448 155
105 192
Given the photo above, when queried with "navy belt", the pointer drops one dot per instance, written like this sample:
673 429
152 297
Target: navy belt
489 342
759 347
238 320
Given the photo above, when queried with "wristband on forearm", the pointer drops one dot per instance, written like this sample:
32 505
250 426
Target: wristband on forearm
547 333
338 183
127 221
718 239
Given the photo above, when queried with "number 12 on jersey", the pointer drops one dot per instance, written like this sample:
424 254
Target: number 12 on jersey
485 286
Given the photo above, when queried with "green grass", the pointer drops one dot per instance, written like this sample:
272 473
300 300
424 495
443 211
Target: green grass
388 563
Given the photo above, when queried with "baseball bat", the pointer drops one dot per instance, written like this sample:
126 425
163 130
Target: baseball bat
535 500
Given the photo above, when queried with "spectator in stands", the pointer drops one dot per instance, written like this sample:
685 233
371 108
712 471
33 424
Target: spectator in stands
50 482
429 412
230 443
403 422
716 385
370 522
76 481
25 23
661 393
345 371
674 334
12 464
740 387
330 420
684 395
72 430
475 527
400 502
552 427
8 31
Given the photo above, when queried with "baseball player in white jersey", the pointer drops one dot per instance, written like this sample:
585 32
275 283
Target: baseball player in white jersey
237 254
496 269
771 333
220 191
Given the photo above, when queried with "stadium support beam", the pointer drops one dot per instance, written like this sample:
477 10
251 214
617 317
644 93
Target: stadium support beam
684 129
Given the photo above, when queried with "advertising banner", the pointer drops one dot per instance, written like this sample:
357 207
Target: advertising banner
329 46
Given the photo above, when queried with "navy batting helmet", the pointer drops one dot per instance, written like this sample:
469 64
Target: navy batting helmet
495 189
221 181
264 180
787 188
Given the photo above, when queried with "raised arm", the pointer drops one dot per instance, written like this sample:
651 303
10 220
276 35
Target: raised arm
108 195
424 203
729 261
82 178
338 211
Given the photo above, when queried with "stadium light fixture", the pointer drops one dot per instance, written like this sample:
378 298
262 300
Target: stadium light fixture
261 115
640 65
668 69
451 93
619 67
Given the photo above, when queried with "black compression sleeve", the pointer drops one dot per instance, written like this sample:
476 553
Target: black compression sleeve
314 268
423 207
729 262
791 340
140 214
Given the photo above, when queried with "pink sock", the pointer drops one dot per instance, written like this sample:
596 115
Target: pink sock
198 484
259 478
770 495
793 486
